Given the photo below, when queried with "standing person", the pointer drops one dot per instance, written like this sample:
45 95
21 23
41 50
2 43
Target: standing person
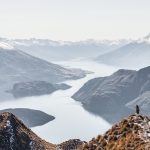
137 109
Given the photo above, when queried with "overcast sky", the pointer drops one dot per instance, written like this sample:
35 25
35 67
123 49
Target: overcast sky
74 19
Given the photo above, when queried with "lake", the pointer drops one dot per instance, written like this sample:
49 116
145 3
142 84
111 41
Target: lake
72 121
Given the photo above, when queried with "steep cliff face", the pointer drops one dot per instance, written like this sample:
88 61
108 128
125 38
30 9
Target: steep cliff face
132 133
14 135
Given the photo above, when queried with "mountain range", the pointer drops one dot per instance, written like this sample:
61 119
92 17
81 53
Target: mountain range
116 53
115 96
135 54
64 50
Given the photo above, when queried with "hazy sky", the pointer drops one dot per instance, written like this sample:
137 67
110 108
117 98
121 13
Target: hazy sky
74 19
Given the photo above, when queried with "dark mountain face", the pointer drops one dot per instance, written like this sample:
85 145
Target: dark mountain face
20 64
108 96
15 135
30 117
132 55
18 67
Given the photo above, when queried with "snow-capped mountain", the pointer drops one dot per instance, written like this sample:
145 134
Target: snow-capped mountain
64 50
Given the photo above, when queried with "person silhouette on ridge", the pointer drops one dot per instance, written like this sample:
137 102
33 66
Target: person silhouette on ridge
137 109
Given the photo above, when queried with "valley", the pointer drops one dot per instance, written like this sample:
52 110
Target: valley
71 120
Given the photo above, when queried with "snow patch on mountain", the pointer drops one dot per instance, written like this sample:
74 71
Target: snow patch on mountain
11 133
5 45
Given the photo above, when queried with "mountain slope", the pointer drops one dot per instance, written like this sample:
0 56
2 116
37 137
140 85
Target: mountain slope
133 55
20 63
107 96
15 135
132 133
17 66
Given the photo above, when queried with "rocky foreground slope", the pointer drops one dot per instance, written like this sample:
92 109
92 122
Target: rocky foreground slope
14 135
132 133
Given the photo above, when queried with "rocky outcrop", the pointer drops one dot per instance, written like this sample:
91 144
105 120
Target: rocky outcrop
132 133
70 145
35 88
109 96
14 135
30 117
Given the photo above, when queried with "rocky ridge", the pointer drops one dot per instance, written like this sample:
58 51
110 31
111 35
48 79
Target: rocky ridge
15 135
131 133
